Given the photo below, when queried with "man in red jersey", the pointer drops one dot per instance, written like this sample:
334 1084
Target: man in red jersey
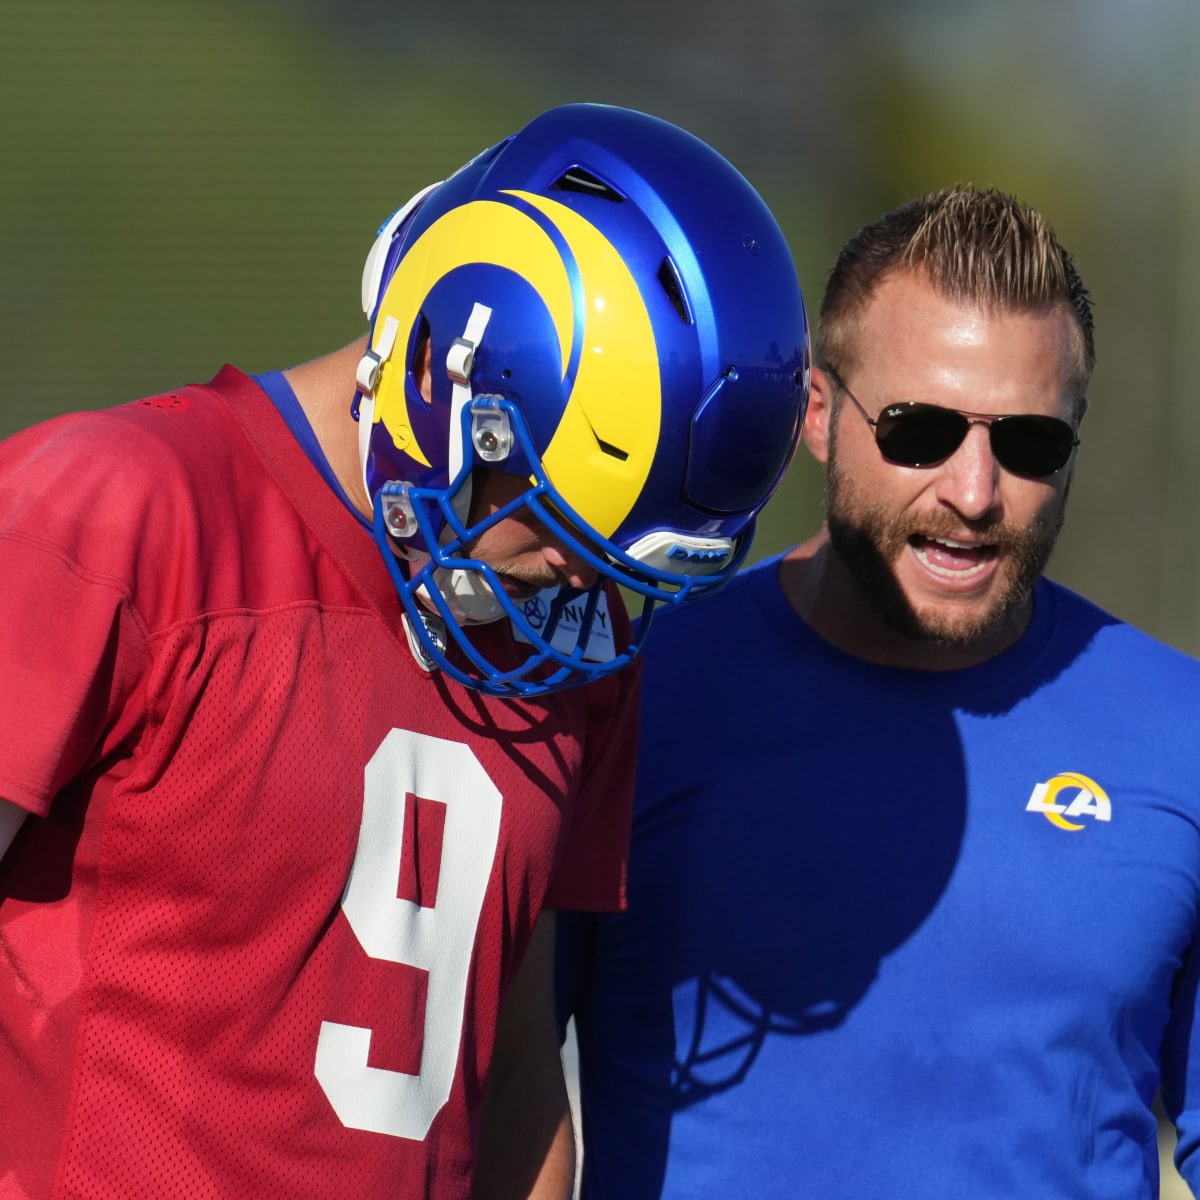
287 672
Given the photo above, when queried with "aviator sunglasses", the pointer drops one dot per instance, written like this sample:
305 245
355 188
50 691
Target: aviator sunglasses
922 435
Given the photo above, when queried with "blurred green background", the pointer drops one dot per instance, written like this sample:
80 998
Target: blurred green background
187 184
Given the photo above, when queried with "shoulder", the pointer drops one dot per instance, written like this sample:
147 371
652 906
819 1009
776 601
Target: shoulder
131 494
1107 634
688 642
750 591
147 446
709 660
1121 664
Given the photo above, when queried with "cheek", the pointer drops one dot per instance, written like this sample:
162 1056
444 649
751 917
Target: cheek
859 481
1035 504
510 539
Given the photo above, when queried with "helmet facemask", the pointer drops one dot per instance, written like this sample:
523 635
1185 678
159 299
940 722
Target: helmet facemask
567 632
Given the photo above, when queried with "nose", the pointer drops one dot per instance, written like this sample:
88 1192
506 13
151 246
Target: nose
570 567
969 480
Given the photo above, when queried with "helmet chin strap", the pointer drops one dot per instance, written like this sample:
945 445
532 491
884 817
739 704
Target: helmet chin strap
470 598
460 362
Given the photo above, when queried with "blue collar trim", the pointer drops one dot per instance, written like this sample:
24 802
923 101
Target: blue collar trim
281 395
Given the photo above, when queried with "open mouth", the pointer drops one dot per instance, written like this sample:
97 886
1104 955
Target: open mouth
951 559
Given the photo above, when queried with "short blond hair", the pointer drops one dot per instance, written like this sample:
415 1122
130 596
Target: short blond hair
975 245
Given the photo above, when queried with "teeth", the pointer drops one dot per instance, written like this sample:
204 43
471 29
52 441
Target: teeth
957 573
954 545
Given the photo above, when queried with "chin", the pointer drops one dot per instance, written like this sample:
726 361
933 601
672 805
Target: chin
953 625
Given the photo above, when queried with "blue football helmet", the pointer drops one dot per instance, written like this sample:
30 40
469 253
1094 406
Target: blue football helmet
613 316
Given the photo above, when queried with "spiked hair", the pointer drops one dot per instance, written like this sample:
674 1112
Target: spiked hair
974 245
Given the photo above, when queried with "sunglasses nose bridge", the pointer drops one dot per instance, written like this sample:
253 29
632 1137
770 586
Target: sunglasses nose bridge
960 430
989 424
968 479
982 448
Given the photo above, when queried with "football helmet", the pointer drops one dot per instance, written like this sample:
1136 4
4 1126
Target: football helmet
612 315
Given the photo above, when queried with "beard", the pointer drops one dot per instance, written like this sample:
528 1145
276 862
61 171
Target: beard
868 539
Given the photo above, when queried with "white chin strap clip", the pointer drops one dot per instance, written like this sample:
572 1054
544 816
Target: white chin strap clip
460 362
366 379
466 592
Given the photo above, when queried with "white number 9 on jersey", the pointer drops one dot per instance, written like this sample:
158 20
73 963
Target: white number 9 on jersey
439 940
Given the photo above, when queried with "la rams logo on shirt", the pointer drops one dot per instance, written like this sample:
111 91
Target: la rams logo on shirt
1070 794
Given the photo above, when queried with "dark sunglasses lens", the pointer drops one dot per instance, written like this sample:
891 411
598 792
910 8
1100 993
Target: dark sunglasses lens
919 435
1033 446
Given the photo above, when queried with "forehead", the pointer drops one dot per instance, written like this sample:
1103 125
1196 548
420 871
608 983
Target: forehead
909 331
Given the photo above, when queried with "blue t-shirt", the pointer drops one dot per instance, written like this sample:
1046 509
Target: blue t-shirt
896 934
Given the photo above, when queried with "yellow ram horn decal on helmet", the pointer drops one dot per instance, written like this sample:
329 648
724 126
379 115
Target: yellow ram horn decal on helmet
601 452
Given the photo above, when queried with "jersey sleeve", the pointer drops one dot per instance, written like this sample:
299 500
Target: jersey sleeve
71 647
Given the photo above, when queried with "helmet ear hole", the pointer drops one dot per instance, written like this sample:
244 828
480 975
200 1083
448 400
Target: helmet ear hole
420 361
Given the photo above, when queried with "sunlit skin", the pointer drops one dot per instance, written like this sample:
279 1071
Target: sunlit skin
957 545
521 550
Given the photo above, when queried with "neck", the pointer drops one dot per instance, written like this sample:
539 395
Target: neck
818 586
324 388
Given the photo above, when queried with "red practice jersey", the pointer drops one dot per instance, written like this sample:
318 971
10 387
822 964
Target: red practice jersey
255 943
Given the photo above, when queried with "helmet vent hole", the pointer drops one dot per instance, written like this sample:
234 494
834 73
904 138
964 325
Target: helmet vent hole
668 276
579 179
612 451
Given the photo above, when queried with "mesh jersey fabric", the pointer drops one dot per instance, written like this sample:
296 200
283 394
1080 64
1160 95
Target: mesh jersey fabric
265 837
897 934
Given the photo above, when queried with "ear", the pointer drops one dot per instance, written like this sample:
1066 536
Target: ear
819 414
422 369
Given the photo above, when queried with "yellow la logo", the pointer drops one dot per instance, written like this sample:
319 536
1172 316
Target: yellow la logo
1090 800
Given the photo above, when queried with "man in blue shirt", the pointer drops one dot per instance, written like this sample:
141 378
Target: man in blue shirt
916 866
